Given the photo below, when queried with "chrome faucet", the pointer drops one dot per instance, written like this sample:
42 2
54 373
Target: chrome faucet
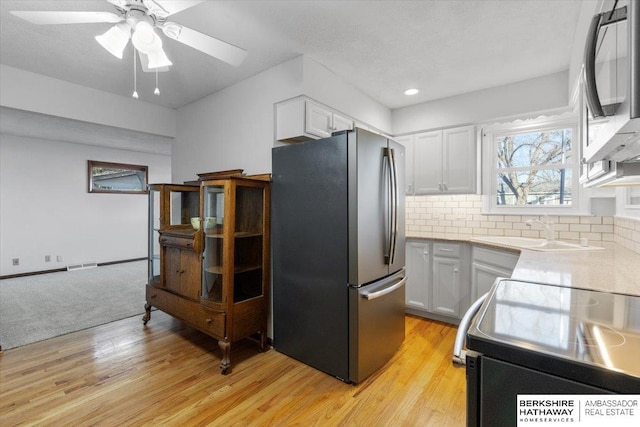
549 232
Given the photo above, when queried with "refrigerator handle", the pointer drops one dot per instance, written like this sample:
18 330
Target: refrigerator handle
385 291
396 199
388 254
459 354
393 208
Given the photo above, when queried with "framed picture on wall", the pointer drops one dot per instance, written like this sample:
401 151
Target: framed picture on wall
107 177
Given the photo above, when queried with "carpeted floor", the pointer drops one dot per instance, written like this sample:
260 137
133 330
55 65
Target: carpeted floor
35 308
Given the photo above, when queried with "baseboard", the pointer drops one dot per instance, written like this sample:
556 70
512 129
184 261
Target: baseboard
57 270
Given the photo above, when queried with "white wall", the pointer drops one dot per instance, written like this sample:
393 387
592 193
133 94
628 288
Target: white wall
28 91
323 85
529 96
45 208
234 128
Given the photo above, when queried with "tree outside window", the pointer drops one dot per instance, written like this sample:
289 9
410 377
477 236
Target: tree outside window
534 168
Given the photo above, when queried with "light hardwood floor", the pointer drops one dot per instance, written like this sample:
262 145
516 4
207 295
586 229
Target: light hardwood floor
124 374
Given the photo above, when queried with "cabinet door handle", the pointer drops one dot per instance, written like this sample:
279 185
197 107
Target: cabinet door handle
444 186
455 270
208 321
446 250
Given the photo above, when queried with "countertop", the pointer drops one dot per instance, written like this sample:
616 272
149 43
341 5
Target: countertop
614 269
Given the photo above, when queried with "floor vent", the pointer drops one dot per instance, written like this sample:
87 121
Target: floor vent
72 267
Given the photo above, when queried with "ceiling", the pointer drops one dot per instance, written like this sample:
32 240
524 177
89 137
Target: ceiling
442 47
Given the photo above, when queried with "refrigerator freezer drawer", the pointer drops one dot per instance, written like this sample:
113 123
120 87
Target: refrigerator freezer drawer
376 324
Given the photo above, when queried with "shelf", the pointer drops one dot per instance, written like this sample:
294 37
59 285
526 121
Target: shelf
237 235
236 270
214 270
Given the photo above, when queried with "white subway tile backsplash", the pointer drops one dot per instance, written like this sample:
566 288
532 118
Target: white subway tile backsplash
590 220
569 219
580 227
440 216
592 236
568 235
602 228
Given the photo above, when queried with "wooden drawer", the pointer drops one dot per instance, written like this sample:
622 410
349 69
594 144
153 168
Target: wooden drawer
210 322
446 249
177 242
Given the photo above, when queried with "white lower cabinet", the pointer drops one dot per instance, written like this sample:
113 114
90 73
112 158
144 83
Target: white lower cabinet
438 279
445 278
486 266
419 275
447 285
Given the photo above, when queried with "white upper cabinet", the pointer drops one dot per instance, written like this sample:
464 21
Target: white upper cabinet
444 161
407 142
302 119
459 157
427 163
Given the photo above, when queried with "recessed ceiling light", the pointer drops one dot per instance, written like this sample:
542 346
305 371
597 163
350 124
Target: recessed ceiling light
411 91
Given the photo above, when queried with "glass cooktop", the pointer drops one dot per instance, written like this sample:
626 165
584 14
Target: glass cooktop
595 328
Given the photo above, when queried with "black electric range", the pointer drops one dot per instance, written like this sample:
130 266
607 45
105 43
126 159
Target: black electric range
532 338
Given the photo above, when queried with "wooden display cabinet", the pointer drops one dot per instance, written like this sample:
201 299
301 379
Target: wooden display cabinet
216 278
171 207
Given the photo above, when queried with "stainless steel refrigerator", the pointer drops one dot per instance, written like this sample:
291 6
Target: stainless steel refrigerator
338 252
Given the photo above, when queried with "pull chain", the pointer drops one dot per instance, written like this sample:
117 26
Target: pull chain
135 82
157 91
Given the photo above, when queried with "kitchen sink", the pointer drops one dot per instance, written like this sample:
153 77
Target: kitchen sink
542 245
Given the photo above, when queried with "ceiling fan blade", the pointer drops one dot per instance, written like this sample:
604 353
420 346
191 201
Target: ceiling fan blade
173 6
60 17
211 46
118 3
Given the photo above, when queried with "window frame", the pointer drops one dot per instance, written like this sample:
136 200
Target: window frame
134 169
490 135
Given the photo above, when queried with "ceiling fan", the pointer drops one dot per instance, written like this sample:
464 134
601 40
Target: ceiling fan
136 20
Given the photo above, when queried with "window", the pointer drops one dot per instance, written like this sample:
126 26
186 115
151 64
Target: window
106 177
534 167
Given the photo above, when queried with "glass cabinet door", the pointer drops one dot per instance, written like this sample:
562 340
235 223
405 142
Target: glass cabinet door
233 248
213 218
248 243
154 235
172 210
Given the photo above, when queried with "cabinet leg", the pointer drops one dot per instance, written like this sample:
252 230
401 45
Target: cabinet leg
147 314
225 363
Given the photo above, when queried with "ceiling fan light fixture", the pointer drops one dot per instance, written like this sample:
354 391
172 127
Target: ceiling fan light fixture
115 39
172 30
155 9
145 39
158 60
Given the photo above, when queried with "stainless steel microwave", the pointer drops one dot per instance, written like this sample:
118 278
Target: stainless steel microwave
612 84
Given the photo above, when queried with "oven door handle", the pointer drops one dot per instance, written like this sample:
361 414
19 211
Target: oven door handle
459 354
